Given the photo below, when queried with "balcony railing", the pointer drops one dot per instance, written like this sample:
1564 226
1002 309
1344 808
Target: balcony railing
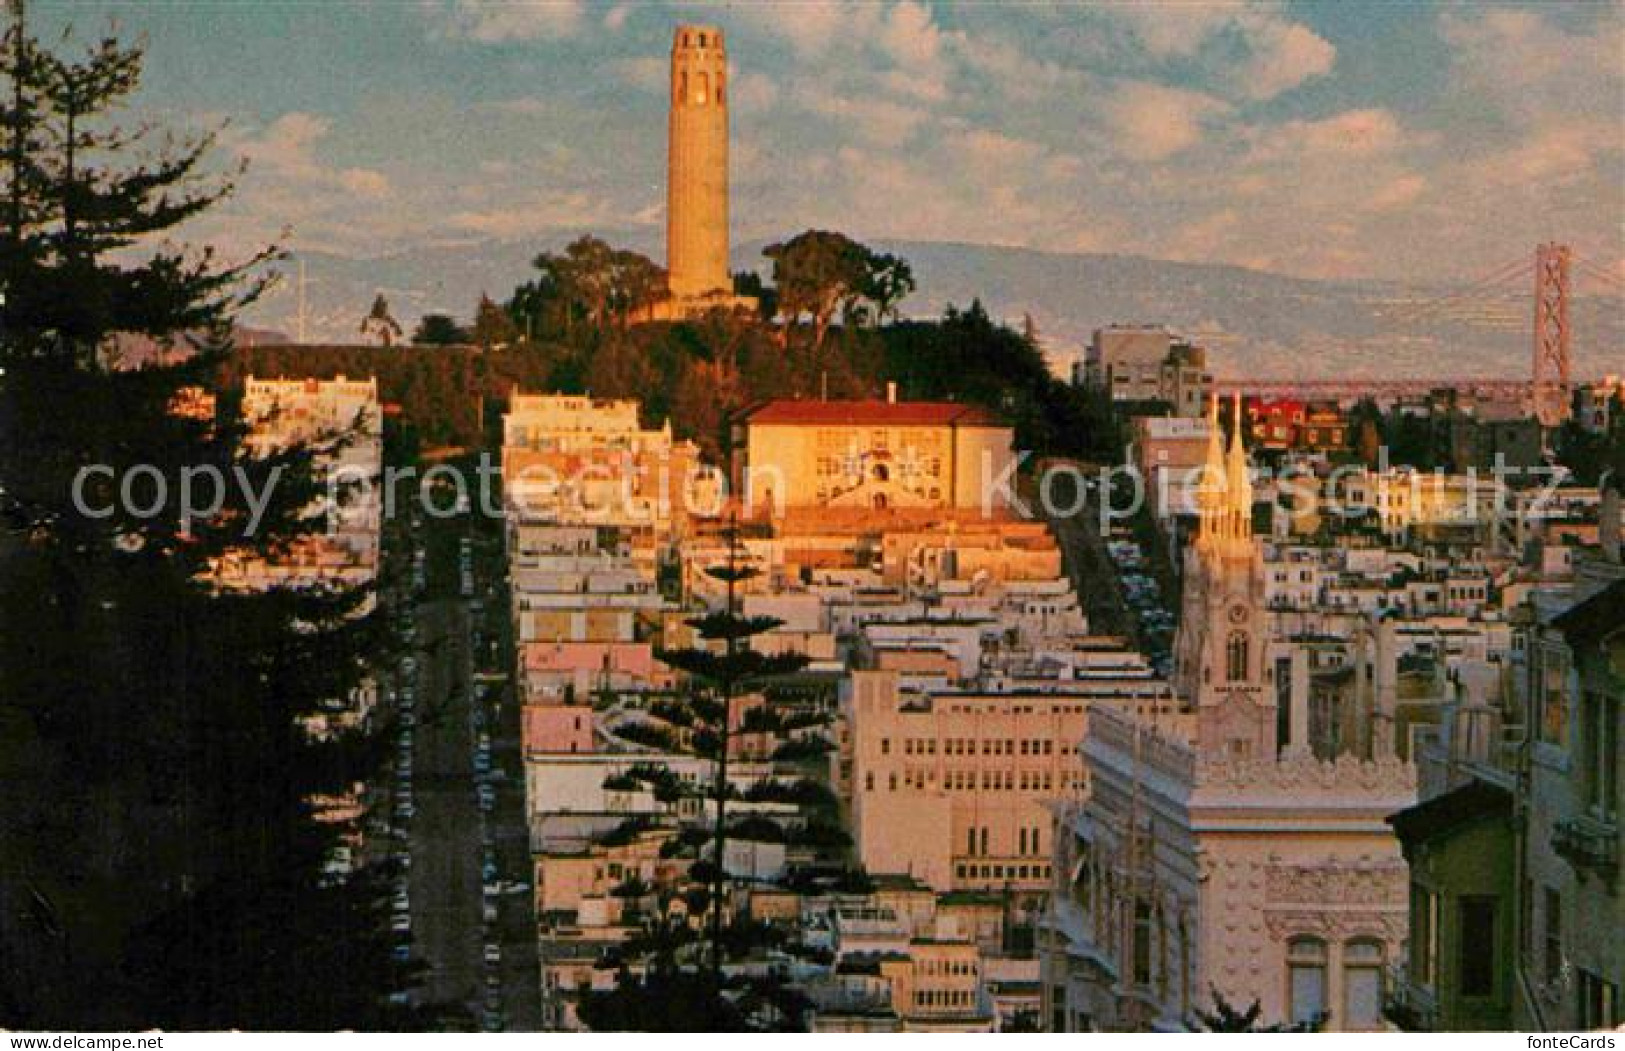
1410 1006
1588 843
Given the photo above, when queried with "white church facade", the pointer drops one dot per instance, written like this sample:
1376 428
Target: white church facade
1214 851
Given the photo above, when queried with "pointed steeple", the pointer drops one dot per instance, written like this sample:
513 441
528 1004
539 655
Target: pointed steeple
1238 487
1209 491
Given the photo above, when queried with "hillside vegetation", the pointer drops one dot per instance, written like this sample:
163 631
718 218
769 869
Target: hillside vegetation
838 343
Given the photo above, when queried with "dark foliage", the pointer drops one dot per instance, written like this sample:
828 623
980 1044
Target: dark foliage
159 865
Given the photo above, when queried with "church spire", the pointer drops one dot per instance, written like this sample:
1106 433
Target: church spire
1209 494
1238 487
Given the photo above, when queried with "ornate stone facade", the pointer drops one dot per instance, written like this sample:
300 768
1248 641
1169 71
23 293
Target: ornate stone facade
1216 855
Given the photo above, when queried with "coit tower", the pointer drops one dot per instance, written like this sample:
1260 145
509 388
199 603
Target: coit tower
697 172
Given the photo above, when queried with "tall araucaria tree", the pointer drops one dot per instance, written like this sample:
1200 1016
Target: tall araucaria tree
722 672
160 865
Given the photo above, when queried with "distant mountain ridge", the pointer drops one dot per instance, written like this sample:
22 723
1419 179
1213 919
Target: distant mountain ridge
1255 323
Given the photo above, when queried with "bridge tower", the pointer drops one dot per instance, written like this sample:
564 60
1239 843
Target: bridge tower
1550 378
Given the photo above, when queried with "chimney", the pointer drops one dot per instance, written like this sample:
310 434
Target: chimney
891 392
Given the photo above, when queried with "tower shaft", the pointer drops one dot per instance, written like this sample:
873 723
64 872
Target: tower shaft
1550 373
697 175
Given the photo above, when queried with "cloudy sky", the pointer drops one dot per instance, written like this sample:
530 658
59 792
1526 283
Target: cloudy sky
1324 139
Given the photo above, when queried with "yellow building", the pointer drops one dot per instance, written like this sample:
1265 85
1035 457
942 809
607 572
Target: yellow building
873 455
936 987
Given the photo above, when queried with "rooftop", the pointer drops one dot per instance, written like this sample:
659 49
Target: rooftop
869 412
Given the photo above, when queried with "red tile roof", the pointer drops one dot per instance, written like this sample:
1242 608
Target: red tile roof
870 412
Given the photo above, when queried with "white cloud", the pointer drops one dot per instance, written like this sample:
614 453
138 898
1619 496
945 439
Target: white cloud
1532 68
876 120
1398 192
365 182
646 73
1255 49
1354 134
997 149
286 149
753 92
1150 122
538 212
1554 157
913 43
499 21
911 36
1013 72
1284 56
809 27
615 18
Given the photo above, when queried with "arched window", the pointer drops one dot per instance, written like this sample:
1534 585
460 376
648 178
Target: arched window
702 87
1362 984
1235 657
1306 980
881 473
720 78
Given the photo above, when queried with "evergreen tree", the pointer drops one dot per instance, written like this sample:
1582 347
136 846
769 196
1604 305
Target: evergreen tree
159 861
439 330
669 987
380 324
493 329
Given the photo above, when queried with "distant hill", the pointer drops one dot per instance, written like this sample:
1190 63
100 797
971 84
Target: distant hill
1255 323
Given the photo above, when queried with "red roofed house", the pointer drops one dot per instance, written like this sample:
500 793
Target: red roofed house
1274 422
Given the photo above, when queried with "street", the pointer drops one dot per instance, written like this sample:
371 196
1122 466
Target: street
468 886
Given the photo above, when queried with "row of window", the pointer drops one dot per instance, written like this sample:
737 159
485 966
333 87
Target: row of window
983 781
968 746
941 967
942 998
839 466
1028 840
1002 872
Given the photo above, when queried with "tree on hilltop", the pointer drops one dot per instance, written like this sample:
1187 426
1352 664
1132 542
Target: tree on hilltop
380 324
815 273
493 328
822 274
439 330
593 283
